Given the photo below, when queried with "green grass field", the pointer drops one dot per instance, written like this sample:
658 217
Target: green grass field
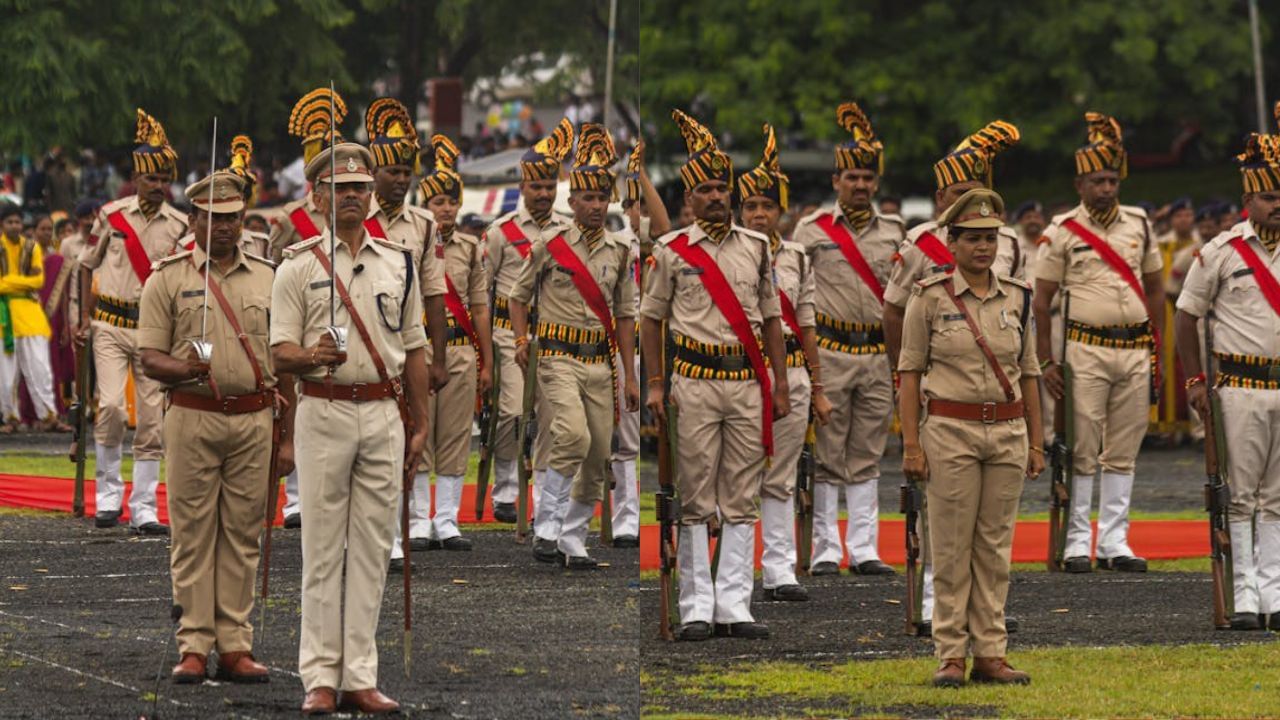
1150 681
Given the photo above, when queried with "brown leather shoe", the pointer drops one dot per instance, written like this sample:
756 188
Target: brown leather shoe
369 701
190 670
320 701
997 670
950 673
240 667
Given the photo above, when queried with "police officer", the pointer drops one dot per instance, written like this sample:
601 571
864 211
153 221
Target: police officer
469 358
1236 278
586 303
218 428
852 252
763 193
394 144
252 243
1102 254
132 233
350 424
509 240
713 283
967 342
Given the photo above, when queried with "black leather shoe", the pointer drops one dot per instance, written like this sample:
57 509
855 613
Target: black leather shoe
1123 564
793 593
151 528
418 544
456 543
824 568
1273 622
694 632
293 521
746 630
107 519
1246 621
577 562
924 629
504 512
871 567
1010 624
545 550
626 541
1077 564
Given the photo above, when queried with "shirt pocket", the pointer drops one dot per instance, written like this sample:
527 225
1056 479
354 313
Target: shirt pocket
788 280
746 286
691 294
188 310
388 298
256 314
1242 286
950 336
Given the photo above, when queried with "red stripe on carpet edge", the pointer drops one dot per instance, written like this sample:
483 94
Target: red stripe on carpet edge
1152 539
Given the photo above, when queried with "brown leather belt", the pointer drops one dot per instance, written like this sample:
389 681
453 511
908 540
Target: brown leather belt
988 412
230 405
360 392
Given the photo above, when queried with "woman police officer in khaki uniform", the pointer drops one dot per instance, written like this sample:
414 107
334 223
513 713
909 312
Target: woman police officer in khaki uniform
969 335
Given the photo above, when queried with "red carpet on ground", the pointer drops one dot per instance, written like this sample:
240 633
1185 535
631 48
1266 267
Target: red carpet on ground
1152 539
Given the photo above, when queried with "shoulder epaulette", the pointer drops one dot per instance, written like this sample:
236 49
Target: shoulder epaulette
388 242
1015 281
171 259
298 247
892 218
933 279
256 235
813 216
118 204
1008 231
466 237
174 213
925 227
752 234
1134 210
260 259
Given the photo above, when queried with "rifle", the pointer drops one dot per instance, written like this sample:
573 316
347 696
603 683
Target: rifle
410 469
488 432
912 502
1062 456
1217 494
526 430
79 412
273 498
804 498
606 505
666 505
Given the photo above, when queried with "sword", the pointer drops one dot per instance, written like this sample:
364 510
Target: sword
339 334
204 348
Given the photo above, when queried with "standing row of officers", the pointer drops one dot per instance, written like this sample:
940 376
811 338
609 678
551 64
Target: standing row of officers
356 353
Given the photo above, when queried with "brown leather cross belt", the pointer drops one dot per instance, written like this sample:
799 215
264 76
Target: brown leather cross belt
230 405
360 392
988 412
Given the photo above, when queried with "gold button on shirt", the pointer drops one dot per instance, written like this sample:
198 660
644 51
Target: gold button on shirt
937 342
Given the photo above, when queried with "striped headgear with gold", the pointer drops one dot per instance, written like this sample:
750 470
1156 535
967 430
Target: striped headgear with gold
543 160
309 120
767 178
153 155
706 161
593 161
1105 147
863 151
1260 161
393 139
634 192
442 178
241 157
972 158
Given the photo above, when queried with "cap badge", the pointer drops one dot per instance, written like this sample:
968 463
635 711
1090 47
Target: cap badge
351 164
717 163
984 209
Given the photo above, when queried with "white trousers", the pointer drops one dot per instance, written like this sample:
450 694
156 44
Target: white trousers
30 362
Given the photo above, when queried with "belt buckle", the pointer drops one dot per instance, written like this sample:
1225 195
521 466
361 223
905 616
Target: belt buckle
226 405
988 413
1273 373
733 363
356 390
858 339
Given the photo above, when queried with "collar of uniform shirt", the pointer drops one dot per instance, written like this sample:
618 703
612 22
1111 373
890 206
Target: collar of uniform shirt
859 219
717 231
148 208
1106 217
446 235
1269 237
387 208
591 235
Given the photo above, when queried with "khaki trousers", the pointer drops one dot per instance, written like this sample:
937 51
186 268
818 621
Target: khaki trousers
451 410
578 422
788 439
719 457
1251 423
860 389
115 352
350 458
1111 399
510 394
217 469
976 472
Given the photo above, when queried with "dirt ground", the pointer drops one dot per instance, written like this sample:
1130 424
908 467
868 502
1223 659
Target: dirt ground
84 625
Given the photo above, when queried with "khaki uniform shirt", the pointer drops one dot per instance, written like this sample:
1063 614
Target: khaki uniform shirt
256 243
464 262
794 275
384 293
673 288
1184 254
109 259
558 298
840 292
912 265
412 227
283 234
1099 296
1220 281
937 342
173 305
504 260
70 250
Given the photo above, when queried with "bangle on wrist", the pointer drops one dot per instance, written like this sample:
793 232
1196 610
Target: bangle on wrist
913 456
1195 380
521 340
1036 449
1044 364
655 380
